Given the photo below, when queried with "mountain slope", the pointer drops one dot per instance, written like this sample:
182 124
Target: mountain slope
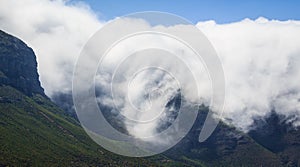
225 147
278 135
34 131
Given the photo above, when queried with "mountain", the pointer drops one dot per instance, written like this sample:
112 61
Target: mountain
225 147
34 131
277 134
228 146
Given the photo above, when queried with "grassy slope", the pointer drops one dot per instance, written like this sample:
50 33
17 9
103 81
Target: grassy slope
34 132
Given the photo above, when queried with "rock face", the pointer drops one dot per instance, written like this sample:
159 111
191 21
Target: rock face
18 66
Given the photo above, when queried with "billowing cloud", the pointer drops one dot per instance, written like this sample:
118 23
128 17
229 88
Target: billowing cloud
261 58
55 30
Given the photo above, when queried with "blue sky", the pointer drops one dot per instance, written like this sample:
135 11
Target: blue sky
222 11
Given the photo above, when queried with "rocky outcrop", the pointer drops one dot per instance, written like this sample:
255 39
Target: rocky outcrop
18 66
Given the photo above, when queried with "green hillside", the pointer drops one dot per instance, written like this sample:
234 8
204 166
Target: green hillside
34 132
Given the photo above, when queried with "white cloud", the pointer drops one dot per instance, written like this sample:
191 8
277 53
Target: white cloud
261 60
55 30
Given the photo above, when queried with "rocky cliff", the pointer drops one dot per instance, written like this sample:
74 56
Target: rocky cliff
18 66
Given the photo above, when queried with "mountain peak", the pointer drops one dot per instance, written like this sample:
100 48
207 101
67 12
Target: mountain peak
18 66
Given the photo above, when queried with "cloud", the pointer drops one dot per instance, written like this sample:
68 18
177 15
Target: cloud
261 58
56 30
261 61
144 80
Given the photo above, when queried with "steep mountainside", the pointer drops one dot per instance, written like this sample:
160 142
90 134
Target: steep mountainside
278 135
225 147
34 131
